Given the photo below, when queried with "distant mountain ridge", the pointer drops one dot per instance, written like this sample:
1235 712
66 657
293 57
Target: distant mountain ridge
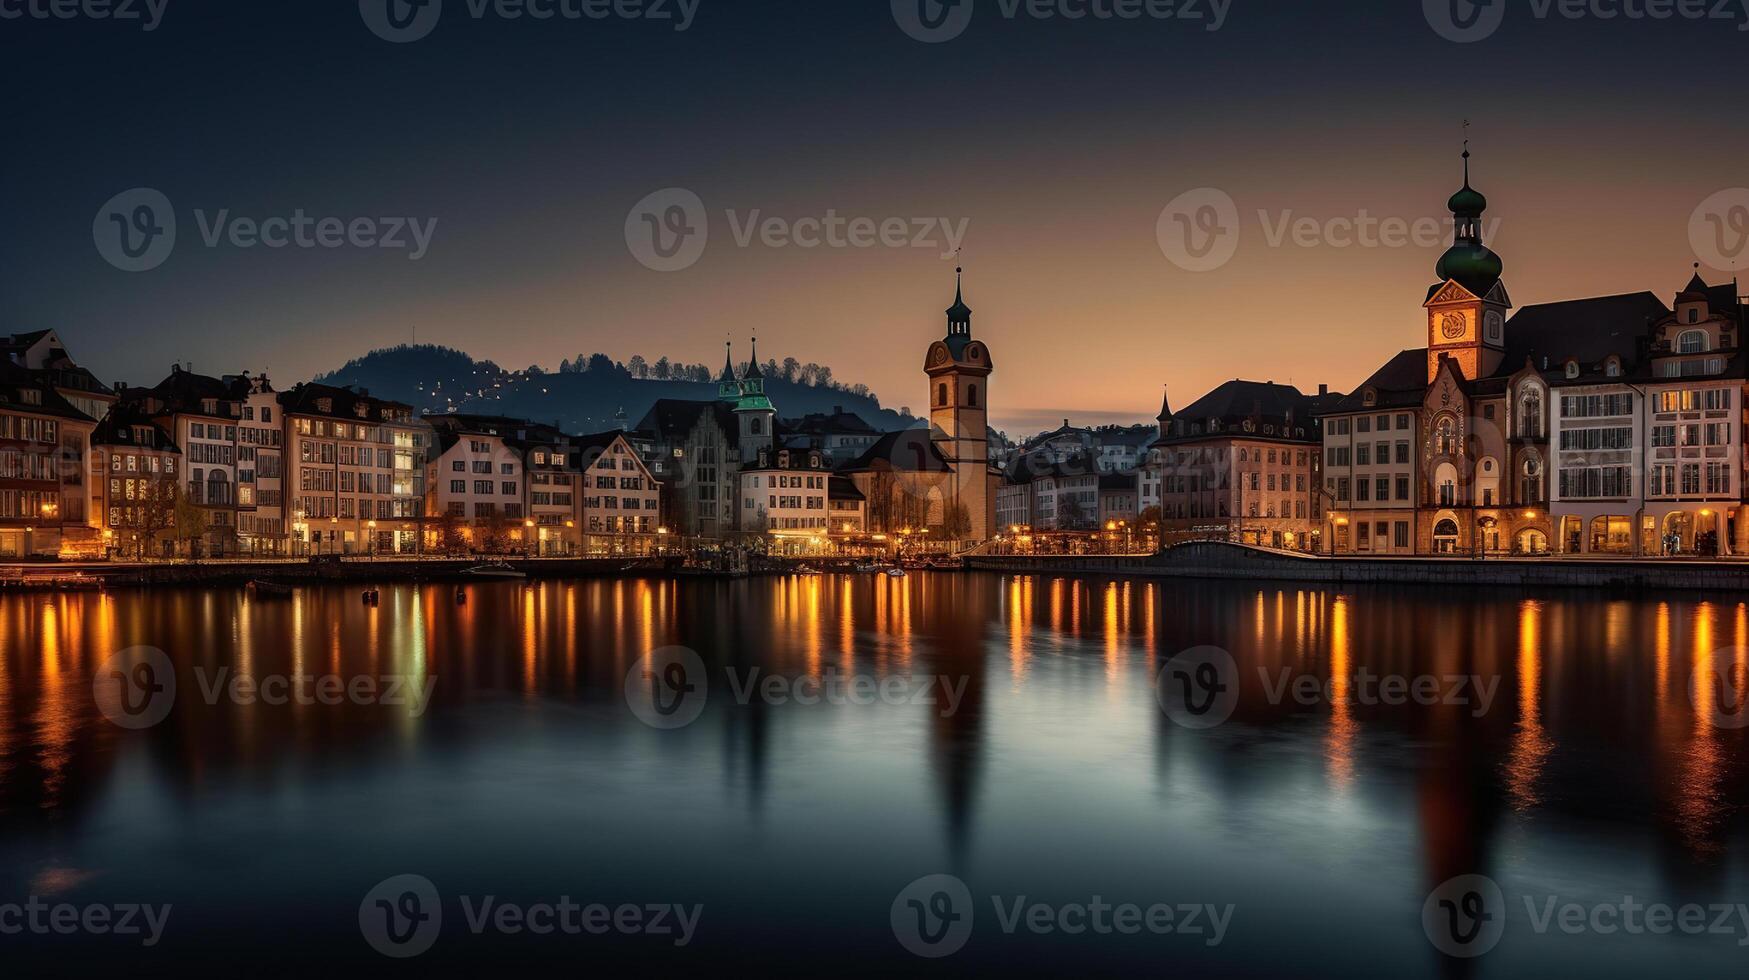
443 380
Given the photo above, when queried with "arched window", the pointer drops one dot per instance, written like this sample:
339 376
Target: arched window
1530 414
758 426
941 394
1445 437
972 395
1530 487
1692 342
1693 315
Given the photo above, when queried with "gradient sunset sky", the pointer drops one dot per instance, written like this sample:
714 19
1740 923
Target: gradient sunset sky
1059 142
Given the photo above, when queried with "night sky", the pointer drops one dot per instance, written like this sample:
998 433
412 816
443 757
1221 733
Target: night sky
1058 142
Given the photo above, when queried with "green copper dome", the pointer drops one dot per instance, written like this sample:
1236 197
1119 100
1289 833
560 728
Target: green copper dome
1475 267
1468 202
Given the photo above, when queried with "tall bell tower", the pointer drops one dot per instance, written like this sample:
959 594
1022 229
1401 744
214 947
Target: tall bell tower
1467 308
959 397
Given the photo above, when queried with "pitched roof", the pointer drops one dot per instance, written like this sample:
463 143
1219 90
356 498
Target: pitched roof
843 488
1265 404
117 429
343 403
1587 330
908 450
674 418
1402 381
14 380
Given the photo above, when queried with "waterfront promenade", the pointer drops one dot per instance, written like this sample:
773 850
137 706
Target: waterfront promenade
1219 560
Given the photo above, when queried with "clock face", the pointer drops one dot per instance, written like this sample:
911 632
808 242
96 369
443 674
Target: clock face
1454 326
940 355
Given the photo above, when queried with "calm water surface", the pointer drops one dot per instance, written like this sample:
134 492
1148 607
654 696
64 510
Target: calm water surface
1325 821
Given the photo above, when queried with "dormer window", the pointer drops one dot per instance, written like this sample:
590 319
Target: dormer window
1613 368
1692 341
1572 369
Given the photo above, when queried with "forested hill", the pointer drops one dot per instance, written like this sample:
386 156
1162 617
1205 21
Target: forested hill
584 394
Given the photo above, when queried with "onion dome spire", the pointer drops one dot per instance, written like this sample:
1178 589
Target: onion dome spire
1470 262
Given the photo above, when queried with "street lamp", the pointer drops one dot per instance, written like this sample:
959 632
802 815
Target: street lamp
528 534
371 546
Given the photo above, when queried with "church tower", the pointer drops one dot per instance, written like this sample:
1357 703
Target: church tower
1466 309
754 412
959 398
728 388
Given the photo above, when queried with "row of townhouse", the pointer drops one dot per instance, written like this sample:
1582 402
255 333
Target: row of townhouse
1611 425
511 484
1044 494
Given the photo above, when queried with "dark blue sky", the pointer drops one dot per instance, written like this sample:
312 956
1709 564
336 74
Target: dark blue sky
1059 142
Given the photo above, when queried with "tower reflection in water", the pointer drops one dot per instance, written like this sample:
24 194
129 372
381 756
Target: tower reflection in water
1055 760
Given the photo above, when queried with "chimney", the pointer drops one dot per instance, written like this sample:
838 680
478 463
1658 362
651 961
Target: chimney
1323 390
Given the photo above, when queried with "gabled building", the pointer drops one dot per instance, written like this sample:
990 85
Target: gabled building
1242 464
136 471
621 499
841 435
201 414
45 499
354 471
784 494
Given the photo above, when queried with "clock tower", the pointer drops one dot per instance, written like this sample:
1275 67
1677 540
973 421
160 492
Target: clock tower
959 398
1466 310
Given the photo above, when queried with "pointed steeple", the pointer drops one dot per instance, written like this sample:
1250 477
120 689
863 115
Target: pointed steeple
1697 285
1165 407
728 389
959 315
728 362
753 365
